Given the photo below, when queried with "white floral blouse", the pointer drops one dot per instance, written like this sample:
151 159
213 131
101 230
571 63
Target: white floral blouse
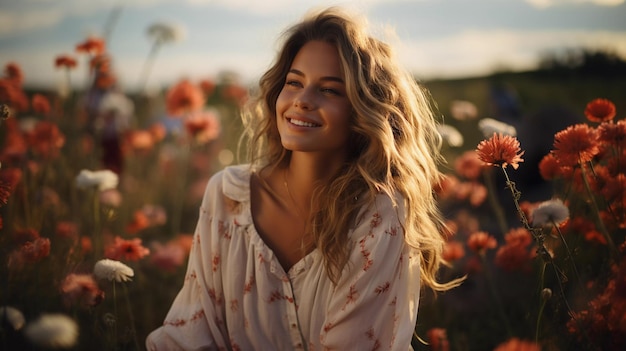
236 295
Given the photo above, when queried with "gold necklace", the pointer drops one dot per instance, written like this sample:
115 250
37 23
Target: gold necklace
295 205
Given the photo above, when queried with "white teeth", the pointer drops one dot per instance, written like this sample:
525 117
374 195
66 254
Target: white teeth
302 123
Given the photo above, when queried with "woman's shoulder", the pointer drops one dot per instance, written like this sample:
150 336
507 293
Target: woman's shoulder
384 209
232 182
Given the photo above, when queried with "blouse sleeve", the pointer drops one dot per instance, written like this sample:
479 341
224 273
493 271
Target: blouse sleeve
374 305
193 322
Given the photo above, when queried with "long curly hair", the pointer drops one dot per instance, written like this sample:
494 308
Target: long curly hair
394 146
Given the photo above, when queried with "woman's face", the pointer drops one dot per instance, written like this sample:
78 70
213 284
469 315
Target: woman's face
313 110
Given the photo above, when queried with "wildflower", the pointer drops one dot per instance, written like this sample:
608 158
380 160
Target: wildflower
46 139
452 251
515 344
81 289
140 140
168 256
549 167
111 197
184 97
40 104
613 133
514 255
36 250
438 339
576 144
92 46
13 96
112 271
5 192
14 73
550 212
207 86
463 110
166 32
103 180
479 242
64 61
468 165
139 222
451 135
158 131
129 250
67 230
489 126
203 126
12 316
235 93
600 110
500 150
52 331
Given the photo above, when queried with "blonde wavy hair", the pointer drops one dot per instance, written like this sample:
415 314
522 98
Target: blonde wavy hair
394 143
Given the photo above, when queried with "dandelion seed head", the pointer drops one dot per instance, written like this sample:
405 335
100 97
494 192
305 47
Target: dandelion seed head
112 270
549 212
451 135
52 331
103 180
488 126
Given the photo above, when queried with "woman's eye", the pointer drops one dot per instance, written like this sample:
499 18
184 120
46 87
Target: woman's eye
294 83
330 91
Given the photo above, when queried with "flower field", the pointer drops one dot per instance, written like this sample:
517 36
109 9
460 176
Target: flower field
100 188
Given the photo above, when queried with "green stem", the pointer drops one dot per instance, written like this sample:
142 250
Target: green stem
493 200
131 316
543 302
569 255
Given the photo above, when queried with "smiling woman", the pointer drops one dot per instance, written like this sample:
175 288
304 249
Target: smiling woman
322 241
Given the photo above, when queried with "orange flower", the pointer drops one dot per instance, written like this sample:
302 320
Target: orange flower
158 131
40 104
600 110
184 97
613 134
479 242
576 144
130 250
514 254
515 344
64 61
468 165
140 222
46 139
14 73
500 150
140 140
438 339
13 95
67 229
81 289
207 86
549 167
92 46
452 251
203 126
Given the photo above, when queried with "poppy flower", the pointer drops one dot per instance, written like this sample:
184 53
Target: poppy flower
600 110
184 97
14 73
452 251
468 165
500 150
479 242
40 104
81 289
46 139
203 126
576 144
130 250
64 61
613 134
438 339
92 46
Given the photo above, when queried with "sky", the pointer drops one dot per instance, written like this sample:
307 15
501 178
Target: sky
432 38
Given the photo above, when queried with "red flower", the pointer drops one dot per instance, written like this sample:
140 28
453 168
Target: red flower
576 144
13 95
40 104
479 242
81 289
514 254
452 251
438 339
67 230
92 46
600 110
203 127
14 73
613 134
515 344
207 86
140 222
30 252
184 97
500 150
46 139
64 61
468 165
130 250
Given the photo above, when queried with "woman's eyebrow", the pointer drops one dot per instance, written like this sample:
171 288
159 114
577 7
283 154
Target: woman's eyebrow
326 78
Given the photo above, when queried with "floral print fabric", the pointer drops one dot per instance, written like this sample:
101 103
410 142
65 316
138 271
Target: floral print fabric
236 295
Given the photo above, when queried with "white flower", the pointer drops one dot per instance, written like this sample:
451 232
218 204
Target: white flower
112 270
52 331
166 32
488 126
12 316
463 110
103 180
451 135
550 212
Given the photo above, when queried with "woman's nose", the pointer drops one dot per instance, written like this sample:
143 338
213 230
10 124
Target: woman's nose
304 100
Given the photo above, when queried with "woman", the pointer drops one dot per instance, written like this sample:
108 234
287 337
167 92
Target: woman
321 242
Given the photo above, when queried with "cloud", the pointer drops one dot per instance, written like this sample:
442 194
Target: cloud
478 52
549 3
